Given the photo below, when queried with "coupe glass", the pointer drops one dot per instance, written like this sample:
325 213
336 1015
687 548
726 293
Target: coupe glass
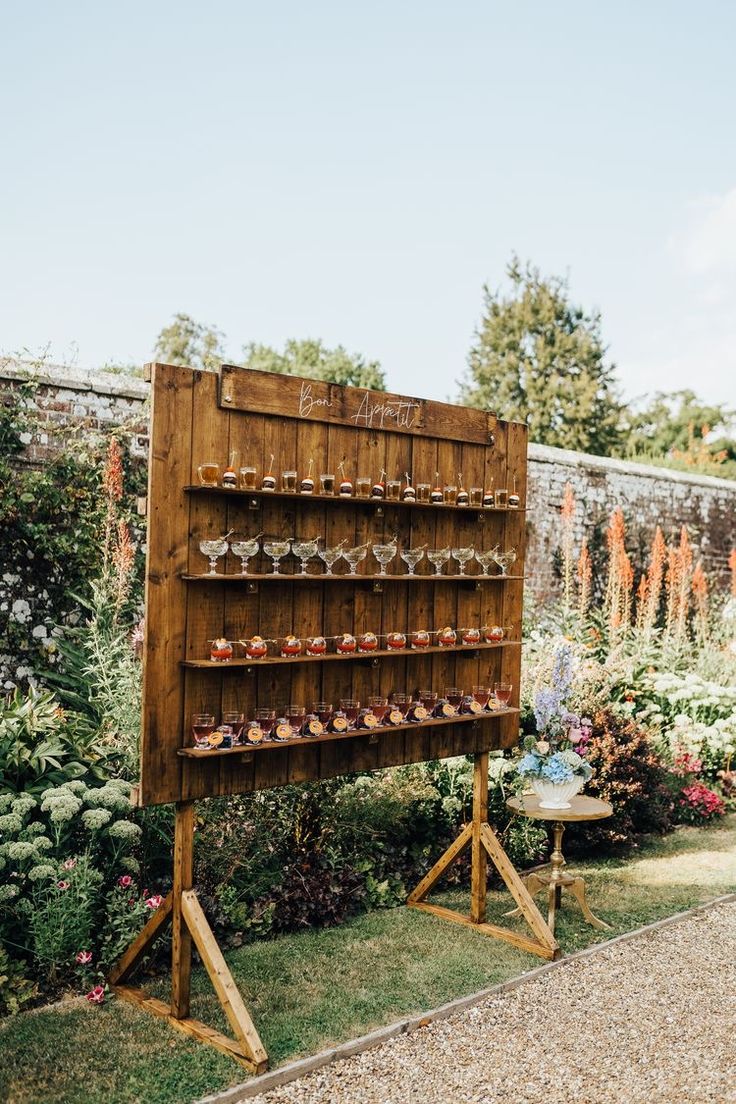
354 556
505 560
412 556
246 550
502 691
384 553
276 550
213 549
485 559
305 550
330 556
462 555
438 557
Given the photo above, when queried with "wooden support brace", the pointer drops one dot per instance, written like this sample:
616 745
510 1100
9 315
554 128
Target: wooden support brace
142 942
222 979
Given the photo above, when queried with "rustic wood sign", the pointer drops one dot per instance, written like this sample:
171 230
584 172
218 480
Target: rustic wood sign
280 424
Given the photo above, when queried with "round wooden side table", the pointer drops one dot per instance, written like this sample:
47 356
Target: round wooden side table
581 808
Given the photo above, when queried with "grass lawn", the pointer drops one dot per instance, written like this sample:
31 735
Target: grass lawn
307 991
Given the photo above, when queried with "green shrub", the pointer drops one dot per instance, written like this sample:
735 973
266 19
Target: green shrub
42 746
628 773
15 988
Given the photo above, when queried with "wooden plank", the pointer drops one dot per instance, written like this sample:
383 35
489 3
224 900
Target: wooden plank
522 942
445 860
193 1028
169 469
356 407
140 945
478 876
519 892
222 979
381 653
181 944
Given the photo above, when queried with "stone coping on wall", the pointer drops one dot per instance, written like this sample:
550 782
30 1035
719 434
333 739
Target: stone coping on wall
75 379
546 454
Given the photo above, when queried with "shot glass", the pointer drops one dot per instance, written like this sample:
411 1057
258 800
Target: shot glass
423 491
247 478
393 490
449 495
327 483
288 481
363 486
209 474
476 496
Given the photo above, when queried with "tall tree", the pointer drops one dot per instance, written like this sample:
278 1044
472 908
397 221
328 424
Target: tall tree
539 358
191 343
311 358
675 421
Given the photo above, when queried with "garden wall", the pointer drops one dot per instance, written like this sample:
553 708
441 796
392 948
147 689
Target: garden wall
92 401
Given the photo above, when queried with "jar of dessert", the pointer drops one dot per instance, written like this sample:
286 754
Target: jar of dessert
346 643
395 641
291 646
367 642
221 650
316 646
446 637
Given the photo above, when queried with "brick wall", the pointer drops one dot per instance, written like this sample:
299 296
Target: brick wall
97 401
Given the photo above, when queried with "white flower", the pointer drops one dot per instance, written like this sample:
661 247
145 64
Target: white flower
126 830
43 870
93 819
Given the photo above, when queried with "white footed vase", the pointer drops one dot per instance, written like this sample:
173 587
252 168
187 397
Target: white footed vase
556 795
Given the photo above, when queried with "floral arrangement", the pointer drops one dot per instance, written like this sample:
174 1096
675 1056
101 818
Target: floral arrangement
557 752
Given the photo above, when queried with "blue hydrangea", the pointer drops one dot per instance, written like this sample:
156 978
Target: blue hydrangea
557 770
529 765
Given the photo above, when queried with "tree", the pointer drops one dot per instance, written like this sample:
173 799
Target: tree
679 422
538 358
190 343
309 357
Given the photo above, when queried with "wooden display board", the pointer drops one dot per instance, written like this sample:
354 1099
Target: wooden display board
200 417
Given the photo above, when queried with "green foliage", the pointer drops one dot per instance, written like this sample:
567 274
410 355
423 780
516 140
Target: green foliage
669 422
628 773
40 746
190 343
60 916
538 358
311 358
51 520
15 988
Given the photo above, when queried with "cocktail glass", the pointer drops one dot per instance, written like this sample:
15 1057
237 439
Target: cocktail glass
305 550
454 695
428 698
323 711
213 549
295 715
235 722
485 559
354 556
481 695
203 725
246 550
384 553
351 709
505 560
462 555
379 707
276 550
330 556
502 690
412 556
401 702
438 557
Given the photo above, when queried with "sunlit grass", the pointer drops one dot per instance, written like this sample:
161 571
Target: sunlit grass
309 990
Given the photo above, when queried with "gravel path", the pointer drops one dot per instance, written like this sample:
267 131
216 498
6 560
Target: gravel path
649 1021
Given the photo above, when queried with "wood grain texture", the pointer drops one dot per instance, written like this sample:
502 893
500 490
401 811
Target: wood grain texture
194 423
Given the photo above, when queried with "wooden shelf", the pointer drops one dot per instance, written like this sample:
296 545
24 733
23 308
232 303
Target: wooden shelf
305 741
468 650
464 580
255 498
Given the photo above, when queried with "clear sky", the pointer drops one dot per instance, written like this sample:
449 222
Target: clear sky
357 172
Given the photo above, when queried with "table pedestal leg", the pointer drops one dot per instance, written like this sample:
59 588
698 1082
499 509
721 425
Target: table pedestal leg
554 883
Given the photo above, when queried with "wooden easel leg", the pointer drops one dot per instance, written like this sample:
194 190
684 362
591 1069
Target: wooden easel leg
479 869
184 911
485 845
181 941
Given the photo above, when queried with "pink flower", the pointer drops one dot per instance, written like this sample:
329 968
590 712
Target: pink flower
62 884
144 893
69 864
575 735
84 958
125 880
96 995
154 902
